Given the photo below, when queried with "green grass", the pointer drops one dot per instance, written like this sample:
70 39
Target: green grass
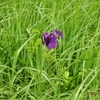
28 71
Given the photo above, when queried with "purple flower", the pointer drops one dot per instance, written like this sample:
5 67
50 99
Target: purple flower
59 33
50 40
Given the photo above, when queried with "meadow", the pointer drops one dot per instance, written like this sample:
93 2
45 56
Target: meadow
29 71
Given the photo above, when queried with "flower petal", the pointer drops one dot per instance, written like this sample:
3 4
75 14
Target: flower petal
44 37
47 40
49 46
59 33
53 40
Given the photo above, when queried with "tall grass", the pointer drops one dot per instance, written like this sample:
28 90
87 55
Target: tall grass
28 71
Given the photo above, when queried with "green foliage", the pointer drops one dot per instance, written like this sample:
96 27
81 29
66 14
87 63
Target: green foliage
28 70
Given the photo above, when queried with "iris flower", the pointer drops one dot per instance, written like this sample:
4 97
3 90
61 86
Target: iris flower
50 40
